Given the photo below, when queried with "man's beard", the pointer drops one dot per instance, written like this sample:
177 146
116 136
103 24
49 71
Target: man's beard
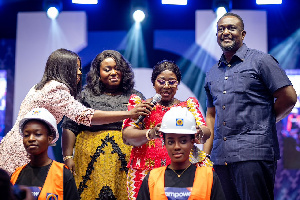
230 47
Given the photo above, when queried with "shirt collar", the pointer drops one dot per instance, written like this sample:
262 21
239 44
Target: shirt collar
240 54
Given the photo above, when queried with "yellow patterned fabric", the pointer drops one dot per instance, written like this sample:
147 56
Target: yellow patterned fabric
100 164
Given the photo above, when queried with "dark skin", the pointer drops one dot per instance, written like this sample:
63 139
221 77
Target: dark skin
36 139
111 77
137 137
230 38
179 147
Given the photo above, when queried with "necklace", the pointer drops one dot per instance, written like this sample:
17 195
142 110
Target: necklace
179 175
111 94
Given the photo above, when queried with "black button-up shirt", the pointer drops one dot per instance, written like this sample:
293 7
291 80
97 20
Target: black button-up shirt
242 93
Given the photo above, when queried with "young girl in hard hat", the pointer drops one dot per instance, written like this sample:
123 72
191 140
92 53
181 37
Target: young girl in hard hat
46 178
181 179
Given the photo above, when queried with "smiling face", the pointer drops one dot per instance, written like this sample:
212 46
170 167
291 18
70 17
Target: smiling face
166 85
36 137
110 74
179 147
230 34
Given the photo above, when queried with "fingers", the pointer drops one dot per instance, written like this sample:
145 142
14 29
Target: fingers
200 135
28 192
142 109
73 171
71 165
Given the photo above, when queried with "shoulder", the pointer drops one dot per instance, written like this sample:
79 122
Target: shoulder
212 69
205 170
58 164
55 85
138 93
67 174
135 99
157 171
261 56
192 102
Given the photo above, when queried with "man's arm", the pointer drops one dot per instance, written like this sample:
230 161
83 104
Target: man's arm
286 99
210 122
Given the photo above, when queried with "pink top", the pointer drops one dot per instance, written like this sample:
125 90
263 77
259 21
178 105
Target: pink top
153 154
56 98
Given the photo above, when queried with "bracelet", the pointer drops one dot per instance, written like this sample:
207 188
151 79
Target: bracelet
67 157
208 156
147 134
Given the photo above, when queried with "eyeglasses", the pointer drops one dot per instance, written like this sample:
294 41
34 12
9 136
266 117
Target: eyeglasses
171 83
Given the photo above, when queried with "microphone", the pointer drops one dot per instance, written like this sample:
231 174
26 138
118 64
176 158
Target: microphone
155 100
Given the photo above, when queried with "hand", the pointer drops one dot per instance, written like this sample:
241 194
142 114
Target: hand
201 137
155 133
140 109
71 165
28 192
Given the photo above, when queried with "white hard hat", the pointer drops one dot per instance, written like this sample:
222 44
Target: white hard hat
178 120
44 115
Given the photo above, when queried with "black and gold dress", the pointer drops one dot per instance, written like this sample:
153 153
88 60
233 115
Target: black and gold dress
100 155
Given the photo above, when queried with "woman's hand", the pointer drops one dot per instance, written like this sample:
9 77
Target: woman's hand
202 134
71 165
154 132
140 109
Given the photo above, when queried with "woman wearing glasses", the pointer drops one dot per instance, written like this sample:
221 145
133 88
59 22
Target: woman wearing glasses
148 150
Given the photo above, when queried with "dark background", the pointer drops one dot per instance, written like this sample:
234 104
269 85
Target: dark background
283 19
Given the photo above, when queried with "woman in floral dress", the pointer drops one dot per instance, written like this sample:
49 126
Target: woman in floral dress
149 151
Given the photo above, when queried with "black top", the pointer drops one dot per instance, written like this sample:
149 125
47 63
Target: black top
36 177
186 180
102 102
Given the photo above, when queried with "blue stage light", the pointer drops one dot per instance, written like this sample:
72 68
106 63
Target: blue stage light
220 7
85 1
52 8
261 2
174 2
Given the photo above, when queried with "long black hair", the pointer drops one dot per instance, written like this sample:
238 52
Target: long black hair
61 66
92 79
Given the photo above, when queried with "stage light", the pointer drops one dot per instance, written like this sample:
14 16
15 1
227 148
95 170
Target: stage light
261 2
220 12
138 16
53 8
174 2
52 12
85 1
220 7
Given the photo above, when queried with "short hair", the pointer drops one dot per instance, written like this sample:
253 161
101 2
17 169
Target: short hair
165 65
61 66
96 86
233 15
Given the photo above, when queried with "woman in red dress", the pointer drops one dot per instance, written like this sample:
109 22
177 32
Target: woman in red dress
148 150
